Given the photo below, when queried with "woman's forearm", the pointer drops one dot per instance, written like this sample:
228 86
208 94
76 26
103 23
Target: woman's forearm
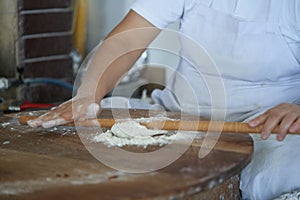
116 55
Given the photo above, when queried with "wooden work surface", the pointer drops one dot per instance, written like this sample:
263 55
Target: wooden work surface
54 164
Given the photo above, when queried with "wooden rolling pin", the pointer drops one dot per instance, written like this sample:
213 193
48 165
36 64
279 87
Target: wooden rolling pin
213 126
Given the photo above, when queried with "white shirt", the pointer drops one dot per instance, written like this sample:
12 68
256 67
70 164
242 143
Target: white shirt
255 45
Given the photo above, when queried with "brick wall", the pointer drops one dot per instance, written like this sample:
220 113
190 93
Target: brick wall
44 45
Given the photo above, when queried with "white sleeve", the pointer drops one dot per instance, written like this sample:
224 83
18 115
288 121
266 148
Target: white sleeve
160 13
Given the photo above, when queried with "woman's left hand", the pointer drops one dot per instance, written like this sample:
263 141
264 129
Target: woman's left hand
286 116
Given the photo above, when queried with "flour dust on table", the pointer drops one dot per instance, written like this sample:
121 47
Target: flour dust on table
131 132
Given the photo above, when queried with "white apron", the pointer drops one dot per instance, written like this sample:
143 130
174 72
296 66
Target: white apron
260 69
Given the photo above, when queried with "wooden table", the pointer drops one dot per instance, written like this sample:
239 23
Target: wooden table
54 164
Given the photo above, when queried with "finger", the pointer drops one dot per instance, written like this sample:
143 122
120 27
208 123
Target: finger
295 126
54 122
285 124
258 120
35 123
271 122
51 115
40 120
51 119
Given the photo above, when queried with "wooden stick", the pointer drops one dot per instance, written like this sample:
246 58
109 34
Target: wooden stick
213 126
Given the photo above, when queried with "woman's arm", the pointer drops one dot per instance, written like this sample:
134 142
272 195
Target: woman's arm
118 52
112 59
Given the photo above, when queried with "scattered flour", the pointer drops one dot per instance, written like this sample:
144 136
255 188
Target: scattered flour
5 124
295 195
6 142
130 132
160 117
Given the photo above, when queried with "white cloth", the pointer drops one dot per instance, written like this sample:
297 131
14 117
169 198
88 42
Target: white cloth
274 168
256 46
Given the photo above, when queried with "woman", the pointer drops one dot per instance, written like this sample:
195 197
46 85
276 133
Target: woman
256 46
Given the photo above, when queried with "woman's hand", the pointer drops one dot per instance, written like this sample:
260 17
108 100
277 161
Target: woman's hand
112 59
286 116
76 109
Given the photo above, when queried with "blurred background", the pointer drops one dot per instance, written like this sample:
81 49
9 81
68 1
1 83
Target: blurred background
43 44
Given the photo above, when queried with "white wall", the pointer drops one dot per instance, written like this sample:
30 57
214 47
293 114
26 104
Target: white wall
8 37
104 15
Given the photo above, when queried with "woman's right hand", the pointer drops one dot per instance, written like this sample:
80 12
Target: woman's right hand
76 109
111 61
